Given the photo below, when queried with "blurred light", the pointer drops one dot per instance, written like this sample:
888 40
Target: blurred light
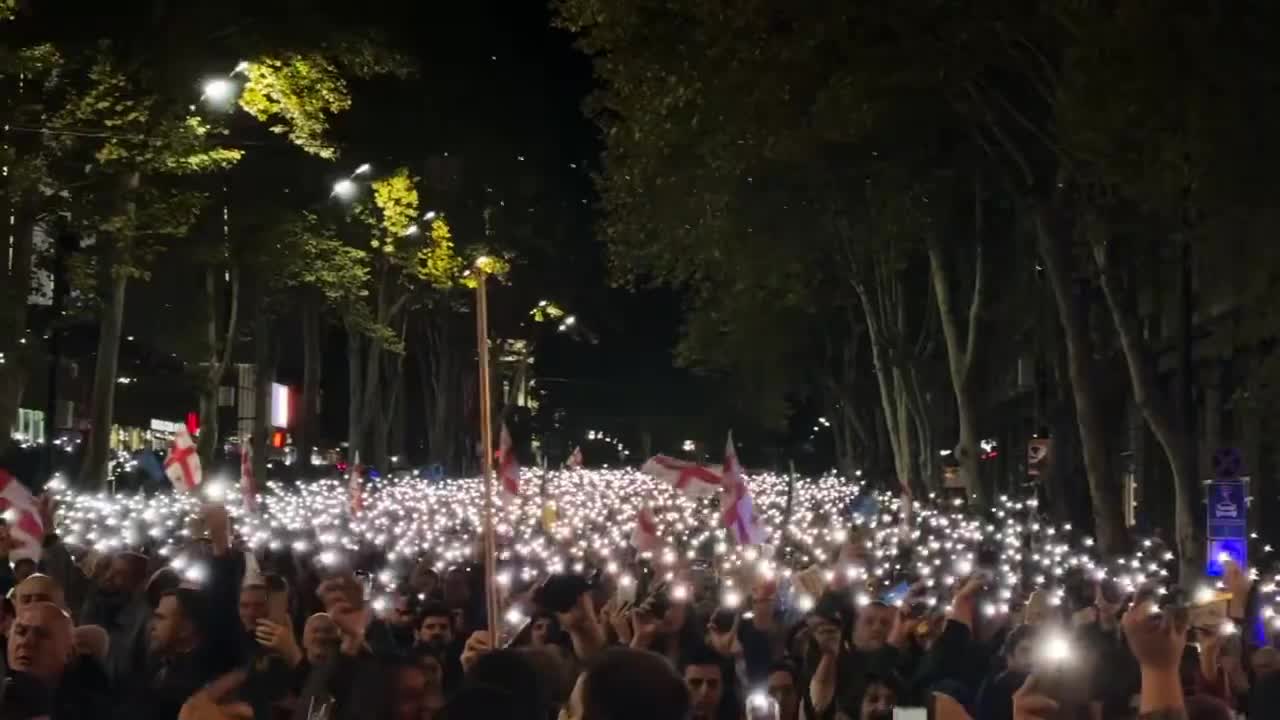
345 189
220 91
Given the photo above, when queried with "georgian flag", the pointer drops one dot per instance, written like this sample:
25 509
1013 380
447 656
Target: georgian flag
182 466
508 465
644 537
736 510
21 514
248 485
689 478
575 458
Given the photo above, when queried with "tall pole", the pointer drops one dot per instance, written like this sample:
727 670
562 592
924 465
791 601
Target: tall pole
486 463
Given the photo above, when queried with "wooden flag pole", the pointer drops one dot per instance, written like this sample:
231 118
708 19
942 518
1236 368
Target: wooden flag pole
486 443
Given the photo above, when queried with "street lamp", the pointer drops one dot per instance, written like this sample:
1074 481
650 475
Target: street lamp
345 189
220 92
430 215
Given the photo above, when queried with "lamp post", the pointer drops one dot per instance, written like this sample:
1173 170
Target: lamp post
486 444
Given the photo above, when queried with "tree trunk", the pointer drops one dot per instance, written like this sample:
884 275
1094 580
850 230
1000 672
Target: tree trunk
1104 490
264 374
1166 423
93 473
220 348
312 373
13 319
891 396
355 394
962 349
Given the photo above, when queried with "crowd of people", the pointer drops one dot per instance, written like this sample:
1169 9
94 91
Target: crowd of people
272 634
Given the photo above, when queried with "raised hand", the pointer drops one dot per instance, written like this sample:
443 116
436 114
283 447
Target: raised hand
207 704
343 600
1156 639
726 643
477 646
279 639
1029 704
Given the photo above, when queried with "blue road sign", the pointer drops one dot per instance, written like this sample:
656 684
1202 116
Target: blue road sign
1227 523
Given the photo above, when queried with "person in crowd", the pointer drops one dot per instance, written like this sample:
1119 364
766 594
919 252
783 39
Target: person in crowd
116 602
38 588
995 697
45 670
320 639
783 685
763 632
626 684
435 637
712 689
879 698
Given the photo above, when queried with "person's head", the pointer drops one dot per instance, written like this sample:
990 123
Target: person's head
253 606
626 684
764 598
319 639
540 630
38 588
161 582
457 587
706 677
783 686
521 674
1019 648
408 690
23 568
400 614
175 622
424 580
436 629
40 642
125 573
91 640
871 627
878 699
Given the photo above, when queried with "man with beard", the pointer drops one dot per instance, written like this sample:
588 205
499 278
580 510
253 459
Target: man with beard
435 637
393 632
195 634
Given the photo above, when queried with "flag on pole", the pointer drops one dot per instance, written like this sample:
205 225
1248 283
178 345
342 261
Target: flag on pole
508 465
182 466
644 537
248 484
736 510
575 458
689 478
21 514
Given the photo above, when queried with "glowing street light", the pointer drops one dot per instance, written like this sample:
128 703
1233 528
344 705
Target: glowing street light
430 215
364 169
220 91
345 189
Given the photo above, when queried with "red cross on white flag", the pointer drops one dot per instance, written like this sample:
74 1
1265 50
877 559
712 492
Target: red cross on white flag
508 465
182 467
689 478
736 509
20 513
